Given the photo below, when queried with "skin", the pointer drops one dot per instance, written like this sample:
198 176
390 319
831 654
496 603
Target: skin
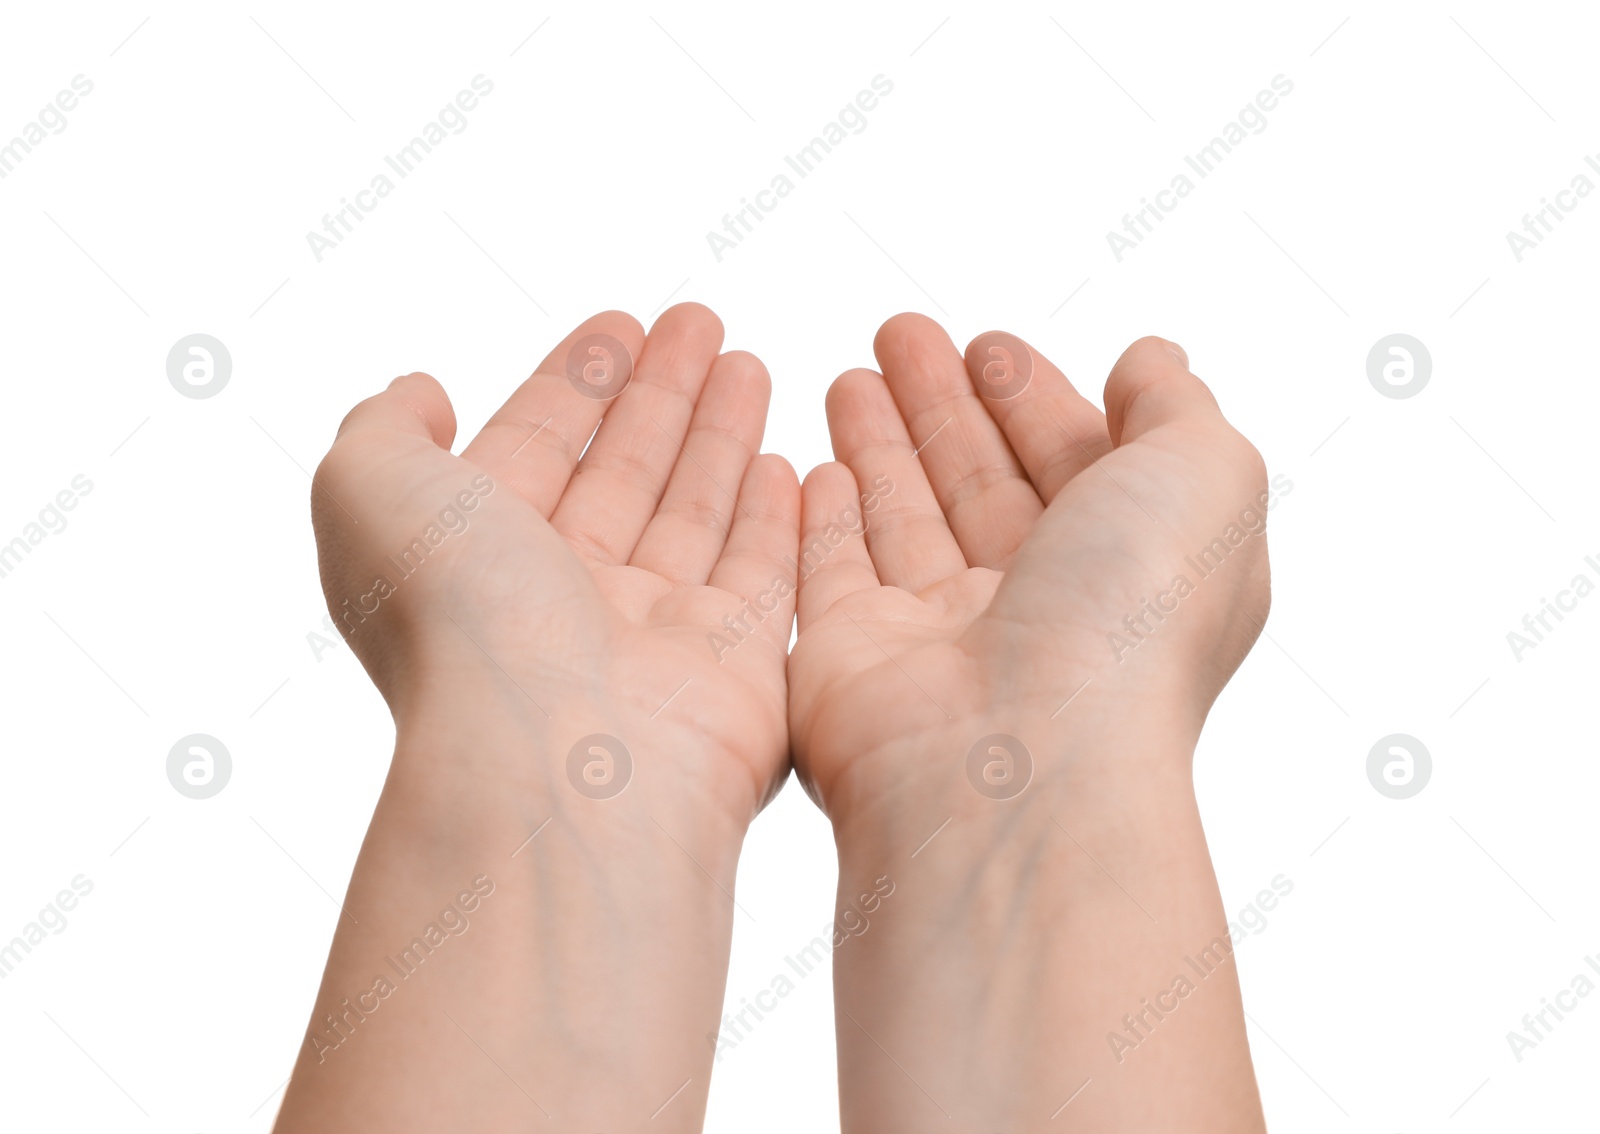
579 944
578 600
1019 535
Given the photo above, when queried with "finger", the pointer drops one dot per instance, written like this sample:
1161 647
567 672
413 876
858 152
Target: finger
833 559
1055 431
414 404
986 497
910 542
620 479
1151 386
757 563
686 535
412 415
533 441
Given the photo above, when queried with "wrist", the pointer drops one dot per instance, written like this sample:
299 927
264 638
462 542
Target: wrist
495 769
1022 928
593 971
1000 777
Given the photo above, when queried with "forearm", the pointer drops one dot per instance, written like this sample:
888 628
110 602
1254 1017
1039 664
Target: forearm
577 992
1065 944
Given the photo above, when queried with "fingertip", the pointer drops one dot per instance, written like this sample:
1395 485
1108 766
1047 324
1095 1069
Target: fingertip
745 368
425 396
775 467
690 314
861 413
771 492
902 330
852 387
1002 366
973 355
621 326
413 403
617 321
1152 352
829 475
1151 385
826 490
771 479
617 325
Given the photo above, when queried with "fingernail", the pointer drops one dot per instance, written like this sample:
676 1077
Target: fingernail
1177 352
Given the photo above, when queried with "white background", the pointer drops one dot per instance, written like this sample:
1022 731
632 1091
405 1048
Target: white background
1418 532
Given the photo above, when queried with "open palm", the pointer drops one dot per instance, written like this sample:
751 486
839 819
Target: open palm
1007 540
612 561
